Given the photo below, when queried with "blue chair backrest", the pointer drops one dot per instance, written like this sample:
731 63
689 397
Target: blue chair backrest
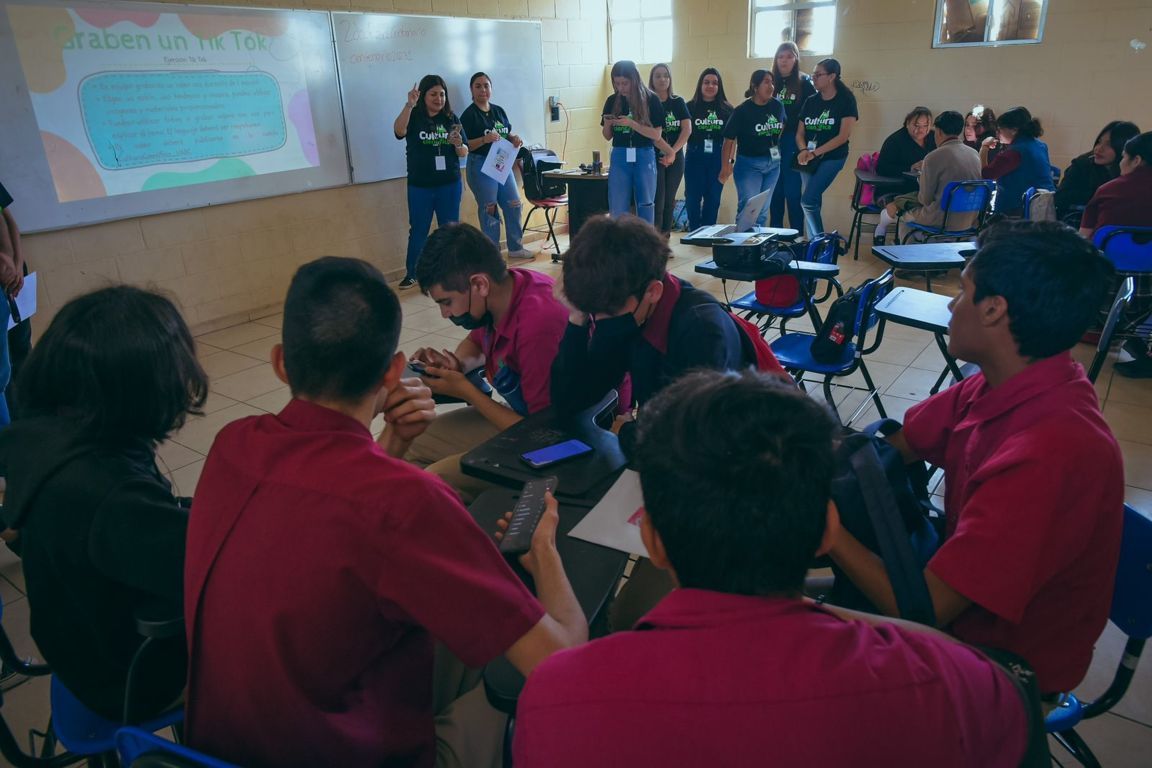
1128 248
1029 194
824 249
872 291
1132 599
1055 175
966 196
134 743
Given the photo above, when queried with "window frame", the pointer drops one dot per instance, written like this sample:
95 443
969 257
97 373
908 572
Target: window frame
938 29
789 6
614 56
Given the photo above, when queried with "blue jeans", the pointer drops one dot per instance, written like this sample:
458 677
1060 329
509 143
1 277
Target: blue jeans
5 366
754 175
787 193
814 185
444 201
490 194
632 180
702 187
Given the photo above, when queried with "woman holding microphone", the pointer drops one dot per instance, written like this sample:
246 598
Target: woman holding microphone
633 120
487 123
434 145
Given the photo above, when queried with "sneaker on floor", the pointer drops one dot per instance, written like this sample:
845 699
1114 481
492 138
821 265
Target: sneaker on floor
407 283
1136 347
1140 368
523 254
879 239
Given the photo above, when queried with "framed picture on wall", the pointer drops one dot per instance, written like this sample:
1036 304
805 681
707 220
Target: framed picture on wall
989 22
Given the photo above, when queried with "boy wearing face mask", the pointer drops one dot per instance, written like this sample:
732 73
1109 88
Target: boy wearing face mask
515 324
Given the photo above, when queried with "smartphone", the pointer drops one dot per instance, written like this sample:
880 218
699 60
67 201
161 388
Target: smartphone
420 369
553 454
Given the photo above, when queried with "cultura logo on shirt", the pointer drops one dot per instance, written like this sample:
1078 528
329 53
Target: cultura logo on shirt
711 122
671 123
770 127
822 123
623 128
435 137
498 128
787 97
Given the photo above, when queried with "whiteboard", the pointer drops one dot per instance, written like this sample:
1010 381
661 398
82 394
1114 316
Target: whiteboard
382 56
119 109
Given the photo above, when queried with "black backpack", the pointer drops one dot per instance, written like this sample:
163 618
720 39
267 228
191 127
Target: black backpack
885 504
534 164
839 326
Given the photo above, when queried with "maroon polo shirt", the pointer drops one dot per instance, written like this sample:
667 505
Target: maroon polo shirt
1034 504
319 570
1124 201
714 679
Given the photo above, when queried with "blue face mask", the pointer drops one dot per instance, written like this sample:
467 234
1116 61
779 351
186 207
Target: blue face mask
470 323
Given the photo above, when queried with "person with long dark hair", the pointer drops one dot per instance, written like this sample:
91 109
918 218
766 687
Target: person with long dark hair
822 133
792 88
1021 163
1090 170
710 111
751 143
99 528
434 143
633 120
979 124
677 130
486 123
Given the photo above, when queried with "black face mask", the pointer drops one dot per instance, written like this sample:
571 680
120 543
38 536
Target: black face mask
622 327
469 323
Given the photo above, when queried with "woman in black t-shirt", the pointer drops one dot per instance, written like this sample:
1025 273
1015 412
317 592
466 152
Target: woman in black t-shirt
826 122
677 130
633 120
486 123
793 87
710 112
752 143
434 145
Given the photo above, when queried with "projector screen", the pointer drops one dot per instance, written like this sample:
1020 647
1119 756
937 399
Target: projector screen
141 108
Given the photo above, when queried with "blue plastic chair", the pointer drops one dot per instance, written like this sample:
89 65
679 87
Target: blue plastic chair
1104 344
794 350
825 249
83 732
1030 197
1128 248
1132 614
959 197
140 749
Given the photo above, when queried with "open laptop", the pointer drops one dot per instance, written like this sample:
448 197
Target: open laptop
718 234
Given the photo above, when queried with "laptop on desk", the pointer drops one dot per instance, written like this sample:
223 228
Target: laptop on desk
723 234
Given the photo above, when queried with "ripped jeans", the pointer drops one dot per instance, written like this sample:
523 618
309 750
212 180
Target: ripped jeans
491 198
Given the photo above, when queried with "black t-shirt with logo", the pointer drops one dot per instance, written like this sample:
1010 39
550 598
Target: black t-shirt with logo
793 101
5 198
708 121
478 123
427 139
756 127
822 119
675 110
622 135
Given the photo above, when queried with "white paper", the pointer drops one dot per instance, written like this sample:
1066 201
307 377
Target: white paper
615 521
498 163
26 301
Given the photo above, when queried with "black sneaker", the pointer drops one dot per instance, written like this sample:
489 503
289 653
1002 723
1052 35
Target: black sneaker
1140 368
1136 347
407 283
879 240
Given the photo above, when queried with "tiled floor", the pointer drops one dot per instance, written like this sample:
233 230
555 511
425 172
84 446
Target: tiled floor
905 367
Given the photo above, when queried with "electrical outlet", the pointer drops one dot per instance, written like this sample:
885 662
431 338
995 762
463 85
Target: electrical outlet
554 108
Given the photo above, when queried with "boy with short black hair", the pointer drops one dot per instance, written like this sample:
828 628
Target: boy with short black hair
734 667
1035 481
515 323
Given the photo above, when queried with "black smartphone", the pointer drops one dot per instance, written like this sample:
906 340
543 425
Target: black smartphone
554 454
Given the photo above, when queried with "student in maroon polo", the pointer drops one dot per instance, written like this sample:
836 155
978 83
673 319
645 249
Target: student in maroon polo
320 569
733 667
1035 480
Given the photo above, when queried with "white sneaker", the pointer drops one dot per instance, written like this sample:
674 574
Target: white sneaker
522 254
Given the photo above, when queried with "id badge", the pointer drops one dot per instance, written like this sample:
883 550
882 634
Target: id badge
630 154
708 146
441 163
774 152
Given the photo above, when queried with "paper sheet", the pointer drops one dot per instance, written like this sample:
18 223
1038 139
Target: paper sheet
615 521
26 301
498 163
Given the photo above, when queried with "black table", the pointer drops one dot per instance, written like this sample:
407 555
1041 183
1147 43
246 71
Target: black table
924 257
583 478
928 312
587 195
592 570
876 180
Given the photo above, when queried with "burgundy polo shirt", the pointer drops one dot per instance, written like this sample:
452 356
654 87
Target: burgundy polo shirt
318 572
518 352
1124 201
1034 504
711 679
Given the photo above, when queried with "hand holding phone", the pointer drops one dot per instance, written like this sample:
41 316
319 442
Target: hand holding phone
517 536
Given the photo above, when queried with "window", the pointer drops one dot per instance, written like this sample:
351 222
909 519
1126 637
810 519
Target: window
989 22
811 25
641 30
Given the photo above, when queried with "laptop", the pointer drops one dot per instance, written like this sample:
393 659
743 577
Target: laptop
717 234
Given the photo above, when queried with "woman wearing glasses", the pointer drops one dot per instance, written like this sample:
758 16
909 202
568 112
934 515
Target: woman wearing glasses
826 123
903 151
